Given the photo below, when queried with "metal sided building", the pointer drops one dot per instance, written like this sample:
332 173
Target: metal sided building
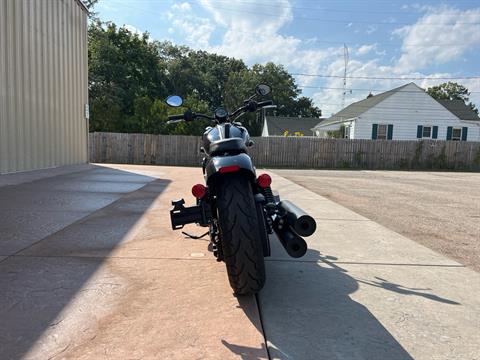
43 84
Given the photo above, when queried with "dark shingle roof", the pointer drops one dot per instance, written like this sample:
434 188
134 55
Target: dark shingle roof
277 125
459 109
359 107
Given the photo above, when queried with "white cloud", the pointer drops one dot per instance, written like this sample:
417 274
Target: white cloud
365 49
312 40
256 39
368 49
251 36
182 6
446 38
244 15
197 30
412 60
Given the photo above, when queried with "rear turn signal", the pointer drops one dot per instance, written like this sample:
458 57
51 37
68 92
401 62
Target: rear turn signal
264 180
199 191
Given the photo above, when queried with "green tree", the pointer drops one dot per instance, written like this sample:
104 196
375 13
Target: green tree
285 93
151 116
122 67
130 75
198 72
451 91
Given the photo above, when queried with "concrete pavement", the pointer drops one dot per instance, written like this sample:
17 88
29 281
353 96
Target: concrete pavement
366 292
111 280
89 269
440 210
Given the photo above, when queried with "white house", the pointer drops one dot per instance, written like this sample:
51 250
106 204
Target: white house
404 113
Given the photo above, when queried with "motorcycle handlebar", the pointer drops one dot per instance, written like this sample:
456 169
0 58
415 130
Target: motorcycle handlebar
258 105
173 121
265 103
175 117
181 117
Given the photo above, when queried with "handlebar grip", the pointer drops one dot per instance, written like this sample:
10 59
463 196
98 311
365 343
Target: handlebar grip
173 121
176 117
265 103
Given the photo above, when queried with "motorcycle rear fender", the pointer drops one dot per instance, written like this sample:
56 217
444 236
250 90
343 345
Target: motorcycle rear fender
214 164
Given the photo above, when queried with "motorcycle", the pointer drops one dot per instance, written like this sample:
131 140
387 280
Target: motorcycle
239 208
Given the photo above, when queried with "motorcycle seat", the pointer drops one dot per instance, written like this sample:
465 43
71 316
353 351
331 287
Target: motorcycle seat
230 145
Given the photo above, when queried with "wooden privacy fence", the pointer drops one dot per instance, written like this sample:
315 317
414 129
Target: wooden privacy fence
291 152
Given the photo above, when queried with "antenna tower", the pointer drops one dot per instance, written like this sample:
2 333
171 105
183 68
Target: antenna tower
345 58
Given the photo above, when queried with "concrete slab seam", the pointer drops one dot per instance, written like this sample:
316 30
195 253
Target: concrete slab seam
257 301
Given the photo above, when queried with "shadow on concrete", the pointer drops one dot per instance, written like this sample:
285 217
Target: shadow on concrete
249 305
307 313
400 289
37 286
246 352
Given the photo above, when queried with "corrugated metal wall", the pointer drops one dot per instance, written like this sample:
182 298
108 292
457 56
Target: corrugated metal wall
43 84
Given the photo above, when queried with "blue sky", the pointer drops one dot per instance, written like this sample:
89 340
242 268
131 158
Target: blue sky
385 38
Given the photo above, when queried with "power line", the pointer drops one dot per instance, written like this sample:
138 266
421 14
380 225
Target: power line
275 5
399 108
379 44
346 21
358 89
388 78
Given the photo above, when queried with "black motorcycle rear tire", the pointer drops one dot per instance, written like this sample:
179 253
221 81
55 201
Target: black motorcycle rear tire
240 235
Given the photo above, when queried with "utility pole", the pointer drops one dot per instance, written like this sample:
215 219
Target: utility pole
345 58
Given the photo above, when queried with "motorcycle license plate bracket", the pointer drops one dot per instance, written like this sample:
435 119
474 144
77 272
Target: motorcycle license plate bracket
181 215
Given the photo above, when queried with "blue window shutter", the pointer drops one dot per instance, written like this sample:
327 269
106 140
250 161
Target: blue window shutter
449 133
435 132
390 132
419 131
464 133
374 131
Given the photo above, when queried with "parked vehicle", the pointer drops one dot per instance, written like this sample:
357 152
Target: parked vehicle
239 207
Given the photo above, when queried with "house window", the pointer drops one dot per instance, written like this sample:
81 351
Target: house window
382 132
427 132
456 134
347 132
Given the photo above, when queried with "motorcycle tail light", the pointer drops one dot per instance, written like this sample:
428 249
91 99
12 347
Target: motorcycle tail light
264 180
229 169
199 191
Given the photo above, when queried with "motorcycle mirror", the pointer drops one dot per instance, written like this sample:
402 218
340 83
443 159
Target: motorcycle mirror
262 89
174 100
